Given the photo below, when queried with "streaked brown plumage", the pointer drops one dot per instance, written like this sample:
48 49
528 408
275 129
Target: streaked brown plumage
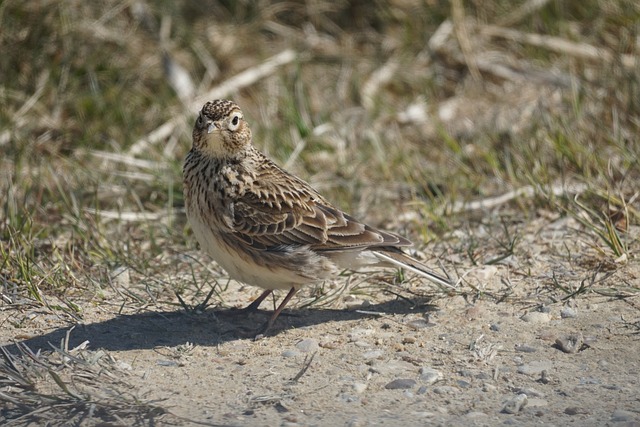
266 227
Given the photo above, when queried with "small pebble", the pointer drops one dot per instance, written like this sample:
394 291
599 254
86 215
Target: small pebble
419 324
349 398
362 344
486 387
574 410
525 348
356 422
408 340
463 384
536 317
548 335
535 367
422 389
571 343
422 414
530 392
622 415
515 404
123 365
120 276
445 389
307 345
329 345
359 387
290 353
401 384
473 312
373 354
484 376
430 376
358 333
495 327
589 381
568 313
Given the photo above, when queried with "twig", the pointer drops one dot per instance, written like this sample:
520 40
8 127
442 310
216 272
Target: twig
523 11
305 367
132 216
372 313
377 79
43 79
523 73
439 38
485 62
560 45
492 202
127 160
460 29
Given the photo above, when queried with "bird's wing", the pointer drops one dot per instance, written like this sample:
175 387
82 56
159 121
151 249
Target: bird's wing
284 210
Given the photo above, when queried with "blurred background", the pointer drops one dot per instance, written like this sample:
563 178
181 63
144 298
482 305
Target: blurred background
443 120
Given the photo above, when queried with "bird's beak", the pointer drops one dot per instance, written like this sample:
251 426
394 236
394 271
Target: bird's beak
212 126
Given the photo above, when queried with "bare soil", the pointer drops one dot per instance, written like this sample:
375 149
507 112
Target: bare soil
389 357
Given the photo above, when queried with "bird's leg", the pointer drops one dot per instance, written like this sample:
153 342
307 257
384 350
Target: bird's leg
276 313
251 308
256 303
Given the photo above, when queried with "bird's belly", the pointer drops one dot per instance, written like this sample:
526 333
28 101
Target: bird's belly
240 266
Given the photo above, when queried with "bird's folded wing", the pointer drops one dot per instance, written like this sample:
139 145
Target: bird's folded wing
264 223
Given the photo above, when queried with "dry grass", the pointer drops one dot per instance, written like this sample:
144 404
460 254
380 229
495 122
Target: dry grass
416 108
69 387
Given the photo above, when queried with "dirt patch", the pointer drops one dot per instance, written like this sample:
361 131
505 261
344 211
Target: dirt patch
468 359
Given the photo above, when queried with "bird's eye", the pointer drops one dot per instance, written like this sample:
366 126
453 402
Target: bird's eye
235 121
199 121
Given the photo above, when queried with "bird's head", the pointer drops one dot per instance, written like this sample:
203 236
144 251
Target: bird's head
220 130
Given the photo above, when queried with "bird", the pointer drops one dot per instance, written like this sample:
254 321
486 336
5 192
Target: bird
265 226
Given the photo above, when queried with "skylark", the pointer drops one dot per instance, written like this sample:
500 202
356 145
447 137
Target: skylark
269 228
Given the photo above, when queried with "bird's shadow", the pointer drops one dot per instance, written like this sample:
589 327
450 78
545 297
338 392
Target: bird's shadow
210 328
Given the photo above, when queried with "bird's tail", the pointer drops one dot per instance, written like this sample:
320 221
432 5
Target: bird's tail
400 259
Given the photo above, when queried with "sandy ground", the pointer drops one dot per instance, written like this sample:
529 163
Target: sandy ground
517 360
